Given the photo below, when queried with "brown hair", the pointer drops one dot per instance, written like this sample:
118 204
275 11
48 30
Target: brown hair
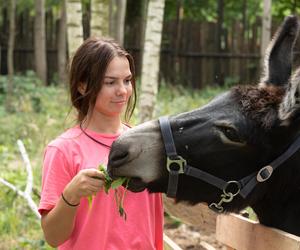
88 67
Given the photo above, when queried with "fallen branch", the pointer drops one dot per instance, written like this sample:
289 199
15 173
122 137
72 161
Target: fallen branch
26 194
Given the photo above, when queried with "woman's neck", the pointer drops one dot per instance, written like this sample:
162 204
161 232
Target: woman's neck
104 124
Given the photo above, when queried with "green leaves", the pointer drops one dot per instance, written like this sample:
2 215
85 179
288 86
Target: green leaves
118 182
90 201
113 184
108 180
119 196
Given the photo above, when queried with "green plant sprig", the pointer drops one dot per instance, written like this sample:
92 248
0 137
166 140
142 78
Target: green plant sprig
109 183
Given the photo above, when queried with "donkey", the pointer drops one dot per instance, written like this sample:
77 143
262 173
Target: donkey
239 150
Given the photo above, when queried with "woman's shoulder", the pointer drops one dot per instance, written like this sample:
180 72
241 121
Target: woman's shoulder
66 139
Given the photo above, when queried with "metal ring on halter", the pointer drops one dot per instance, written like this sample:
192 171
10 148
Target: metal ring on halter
238 185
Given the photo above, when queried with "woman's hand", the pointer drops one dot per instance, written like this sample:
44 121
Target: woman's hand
86 183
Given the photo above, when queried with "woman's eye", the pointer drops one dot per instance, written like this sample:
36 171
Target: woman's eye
109 83
231 134
128 81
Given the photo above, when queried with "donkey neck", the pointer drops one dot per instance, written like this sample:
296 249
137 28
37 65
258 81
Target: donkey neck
283 214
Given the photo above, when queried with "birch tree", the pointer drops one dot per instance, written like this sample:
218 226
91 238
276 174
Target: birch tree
99 18
10 54
121 14
266 28
117 20
74 25
40 41
151 57
62 44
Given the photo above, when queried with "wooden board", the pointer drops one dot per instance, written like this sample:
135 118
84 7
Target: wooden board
170 244
197 215
239 233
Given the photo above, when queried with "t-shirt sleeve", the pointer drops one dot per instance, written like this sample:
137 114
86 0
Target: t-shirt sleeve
56 175
159 222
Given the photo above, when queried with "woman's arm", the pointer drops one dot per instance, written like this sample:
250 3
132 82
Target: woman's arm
58 224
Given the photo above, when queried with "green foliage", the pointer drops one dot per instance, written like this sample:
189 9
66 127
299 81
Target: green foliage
174 100
282 8
25 5
40 113
171 221
201 10
197 10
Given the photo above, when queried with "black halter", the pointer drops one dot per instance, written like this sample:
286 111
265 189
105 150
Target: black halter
177 165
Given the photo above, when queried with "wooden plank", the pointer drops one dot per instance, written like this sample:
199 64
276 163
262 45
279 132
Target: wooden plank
170 244
240 233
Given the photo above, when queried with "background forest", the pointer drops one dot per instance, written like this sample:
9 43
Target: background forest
195 49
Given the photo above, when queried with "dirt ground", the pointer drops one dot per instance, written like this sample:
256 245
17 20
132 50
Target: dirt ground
191 227
192 238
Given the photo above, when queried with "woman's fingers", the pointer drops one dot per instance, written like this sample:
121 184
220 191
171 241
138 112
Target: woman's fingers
96 183
94 173
93 190
87 182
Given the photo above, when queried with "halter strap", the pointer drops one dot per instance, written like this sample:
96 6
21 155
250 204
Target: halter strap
244 186
171 155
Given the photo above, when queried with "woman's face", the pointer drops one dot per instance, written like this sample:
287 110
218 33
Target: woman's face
116 88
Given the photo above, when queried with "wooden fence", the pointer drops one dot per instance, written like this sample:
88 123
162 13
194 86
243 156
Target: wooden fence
239 233
234 231
190 54
193 58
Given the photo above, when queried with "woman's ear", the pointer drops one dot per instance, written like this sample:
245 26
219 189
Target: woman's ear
82 88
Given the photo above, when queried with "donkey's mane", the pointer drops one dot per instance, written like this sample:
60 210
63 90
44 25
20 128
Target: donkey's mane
260 104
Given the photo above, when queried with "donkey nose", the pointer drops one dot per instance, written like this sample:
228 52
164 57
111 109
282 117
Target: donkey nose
116 159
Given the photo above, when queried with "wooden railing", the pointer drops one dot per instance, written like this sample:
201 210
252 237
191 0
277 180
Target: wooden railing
239 233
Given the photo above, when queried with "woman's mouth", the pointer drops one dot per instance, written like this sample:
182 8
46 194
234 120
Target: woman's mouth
119 102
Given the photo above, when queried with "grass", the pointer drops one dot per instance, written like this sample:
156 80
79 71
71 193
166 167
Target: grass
39 115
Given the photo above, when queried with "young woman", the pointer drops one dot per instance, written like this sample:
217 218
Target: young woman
102 87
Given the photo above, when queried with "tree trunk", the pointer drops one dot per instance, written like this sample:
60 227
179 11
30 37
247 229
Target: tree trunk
294 7
112 18
120 22
151 56
266 29
62 44
176 41
99 18
219 76
74 25
40 41
145 4
10 55
244 20
86 19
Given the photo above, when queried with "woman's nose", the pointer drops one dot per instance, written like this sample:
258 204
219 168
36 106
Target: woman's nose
121 89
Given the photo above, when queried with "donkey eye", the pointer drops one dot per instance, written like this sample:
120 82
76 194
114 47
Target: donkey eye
231 134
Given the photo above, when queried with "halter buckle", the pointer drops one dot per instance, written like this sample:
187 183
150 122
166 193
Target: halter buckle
264 173
176 165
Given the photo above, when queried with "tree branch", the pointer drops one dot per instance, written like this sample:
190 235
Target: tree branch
29 184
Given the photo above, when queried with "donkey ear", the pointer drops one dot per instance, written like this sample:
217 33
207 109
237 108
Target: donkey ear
278 58
289 109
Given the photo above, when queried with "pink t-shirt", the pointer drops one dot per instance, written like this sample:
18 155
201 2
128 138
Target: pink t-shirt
101 226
